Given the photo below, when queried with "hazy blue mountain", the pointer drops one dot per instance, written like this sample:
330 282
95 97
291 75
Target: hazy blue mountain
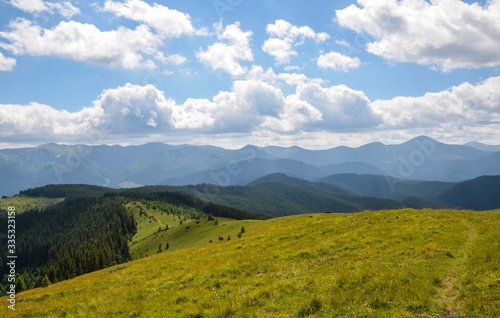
421 158
155 163
483 147
244 172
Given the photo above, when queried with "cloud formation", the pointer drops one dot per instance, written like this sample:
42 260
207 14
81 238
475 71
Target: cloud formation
284 36
175 59
256 105
225 55
338 62
83 42
168 22
446 34
6 63
462 105
66 9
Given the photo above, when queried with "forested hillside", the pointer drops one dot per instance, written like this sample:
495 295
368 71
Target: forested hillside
90 230
78 237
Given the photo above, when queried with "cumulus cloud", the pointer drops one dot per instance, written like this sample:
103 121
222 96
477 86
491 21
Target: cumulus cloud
66 9
257 73
83 42
168 22
225 55
134 109
34 120
446 34
338 62
6 63
258 105
466 104
284 35
175 59
341 107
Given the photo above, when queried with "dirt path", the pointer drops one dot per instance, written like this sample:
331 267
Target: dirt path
451 285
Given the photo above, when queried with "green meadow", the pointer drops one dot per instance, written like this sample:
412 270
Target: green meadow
23 203
398 263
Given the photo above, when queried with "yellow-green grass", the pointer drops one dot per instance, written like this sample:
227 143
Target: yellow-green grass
23 203
401 263
191 233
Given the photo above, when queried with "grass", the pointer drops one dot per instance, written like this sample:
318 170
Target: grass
23 203
192 233
402 263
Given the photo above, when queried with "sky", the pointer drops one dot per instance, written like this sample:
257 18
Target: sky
315 74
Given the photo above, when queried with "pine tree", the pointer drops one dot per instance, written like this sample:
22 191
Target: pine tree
45 282
20 285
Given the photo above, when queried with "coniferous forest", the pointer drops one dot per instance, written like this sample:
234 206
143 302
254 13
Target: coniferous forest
70 239
90 231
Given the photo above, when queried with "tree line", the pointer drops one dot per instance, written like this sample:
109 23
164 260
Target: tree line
71 239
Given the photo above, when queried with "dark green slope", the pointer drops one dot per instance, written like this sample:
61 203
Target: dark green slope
272 198
387 187
279 199
481 193
283 178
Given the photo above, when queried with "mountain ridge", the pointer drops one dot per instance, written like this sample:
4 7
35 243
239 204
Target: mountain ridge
420 158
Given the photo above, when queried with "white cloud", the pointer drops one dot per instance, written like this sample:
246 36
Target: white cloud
338 62
463 105
284 36
194 114
30 6
6 63
134 109
226 56
257 106
446 34
169 22
343 43
66 9
257 73
341 107
83 42
175 59
35 120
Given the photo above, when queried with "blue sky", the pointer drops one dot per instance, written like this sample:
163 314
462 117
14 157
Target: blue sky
316 74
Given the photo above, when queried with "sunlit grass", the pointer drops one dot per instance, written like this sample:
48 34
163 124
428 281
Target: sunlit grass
23 203
371 264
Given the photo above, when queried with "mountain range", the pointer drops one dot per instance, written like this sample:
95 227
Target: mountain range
421 159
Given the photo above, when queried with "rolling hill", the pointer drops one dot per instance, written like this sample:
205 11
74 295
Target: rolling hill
402 263
477 194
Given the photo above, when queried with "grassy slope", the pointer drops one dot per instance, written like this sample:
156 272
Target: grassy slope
23 203
375 264
192 233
